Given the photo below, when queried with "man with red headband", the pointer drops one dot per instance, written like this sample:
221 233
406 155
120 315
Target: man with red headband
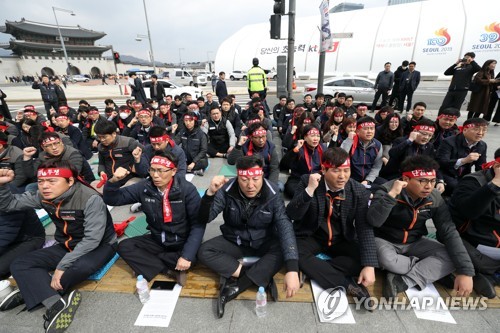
88 131
417 143
329 212
220 134
171 206
161 142
446 126
69 112
194 143
361 110
65 127
475 207
305 158
365 151
140 126
411 120
457 154
85 241
399 211
256 143
31 113
255 224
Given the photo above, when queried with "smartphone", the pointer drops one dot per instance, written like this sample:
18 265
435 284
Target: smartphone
163 285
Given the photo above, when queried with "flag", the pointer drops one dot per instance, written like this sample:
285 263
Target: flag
326 34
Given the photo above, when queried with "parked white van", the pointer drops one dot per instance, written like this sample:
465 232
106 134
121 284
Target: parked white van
183 77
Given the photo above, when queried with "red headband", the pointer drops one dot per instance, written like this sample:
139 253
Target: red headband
328 165
447 116
3 142
50 140
424 128
158 139
188 117
365 124
3 128
252 172
144 112
419 173
93 112
362 108
29 107
307 121
259 132
394 118
63 108
313 131
29 112
253 121
62 116
163 161
54 172
490 164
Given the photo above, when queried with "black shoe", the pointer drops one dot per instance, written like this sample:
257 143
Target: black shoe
447 281
273 290
358 291
484 286
12 300
60 315
394 284
228 292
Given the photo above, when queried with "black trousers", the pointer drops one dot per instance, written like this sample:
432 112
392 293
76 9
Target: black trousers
378 93
332 273
48 105
213 149
201 164
222 256
453 99
291 185
394 94
491 108
408 94
16 250
147 257
31 271
482 263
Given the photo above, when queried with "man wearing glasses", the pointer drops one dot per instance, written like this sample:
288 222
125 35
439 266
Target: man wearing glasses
457 154
140 126
398 213
171 205
417 143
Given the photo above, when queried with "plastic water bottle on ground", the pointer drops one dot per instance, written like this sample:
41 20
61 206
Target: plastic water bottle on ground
142 289
261 303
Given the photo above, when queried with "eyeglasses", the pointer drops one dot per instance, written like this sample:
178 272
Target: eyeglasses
425 181
161 172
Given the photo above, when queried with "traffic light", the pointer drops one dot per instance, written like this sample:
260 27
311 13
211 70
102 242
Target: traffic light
116 57
275 26
279 7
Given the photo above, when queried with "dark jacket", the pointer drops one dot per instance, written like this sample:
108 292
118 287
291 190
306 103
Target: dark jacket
138 91
76 138
454 148
462 76
185 232
299 164
12 158
118 154
442 134
308 213
61 96
194 143
366 162
17 227
160 91
91 223
252 225
48 91
397 76
384 80
409 84
409 124
399 221
401 149
268 153
87 127
475 207
141 134
4 108
221 90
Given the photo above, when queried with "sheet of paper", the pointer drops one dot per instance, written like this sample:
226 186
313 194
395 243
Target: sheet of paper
430 312
492 252
159 309
342 313
189 176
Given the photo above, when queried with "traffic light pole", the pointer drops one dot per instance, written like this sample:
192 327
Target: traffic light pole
291 46
116 70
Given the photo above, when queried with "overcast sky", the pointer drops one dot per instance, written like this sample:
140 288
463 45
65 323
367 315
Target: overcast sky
197 26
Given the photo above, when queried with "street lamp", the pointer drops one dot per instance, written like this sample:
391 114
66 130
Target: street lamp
61 37
139 37
180 59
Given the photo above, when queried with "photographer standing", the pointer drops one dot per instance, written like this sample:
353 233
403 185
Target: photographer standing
462 72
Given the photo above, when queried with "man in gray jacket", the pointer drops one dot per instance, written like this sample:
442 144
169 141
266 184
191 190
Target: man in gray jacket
383 84
255 224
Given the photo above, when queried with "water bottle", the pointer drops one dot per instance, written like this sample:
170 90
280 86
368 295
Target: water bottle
261 303
142 289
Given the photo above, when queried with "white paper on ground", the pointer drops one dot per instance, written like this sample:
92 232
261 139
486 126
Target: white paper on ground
346 318
189 176
159 309
441 314
492 252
